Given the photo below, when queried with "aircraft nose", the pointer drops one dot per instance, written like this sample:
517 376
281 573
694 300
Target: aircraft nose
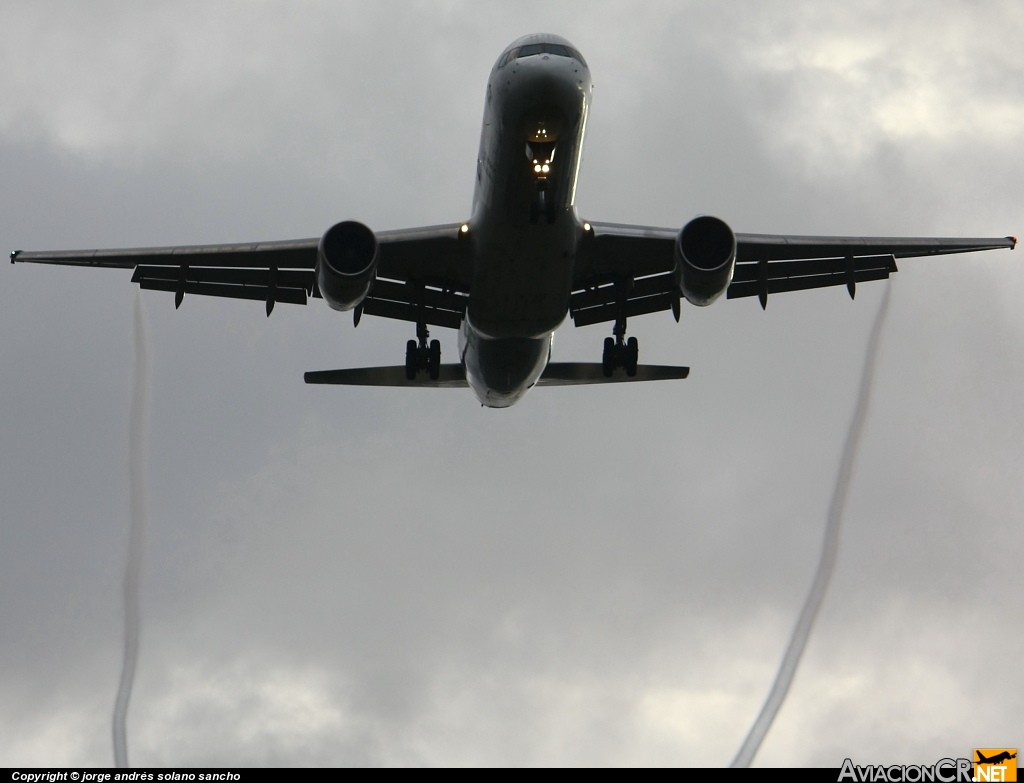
548 80
548 73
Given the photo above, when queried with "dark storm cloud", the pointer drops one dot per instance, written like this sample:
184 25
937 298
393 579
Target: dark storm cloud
599 575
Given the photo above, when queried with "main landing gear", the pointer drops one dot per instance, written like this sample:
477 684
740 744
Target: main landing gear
421 356
619 352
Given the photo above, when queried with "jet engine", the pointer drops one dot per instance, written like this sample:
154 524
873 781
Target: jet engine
346 264
705 253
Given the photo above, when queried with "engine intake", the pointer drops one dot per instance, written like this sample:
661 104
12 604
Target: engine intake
705 253
346 264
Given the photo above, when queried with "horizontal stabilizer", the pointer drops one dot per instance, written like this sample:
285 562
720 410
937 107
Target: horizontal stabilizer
575 373
452 376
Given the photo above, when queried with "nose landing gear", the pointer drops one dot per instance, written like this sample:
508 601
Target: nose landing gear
540 152
542 206
420 356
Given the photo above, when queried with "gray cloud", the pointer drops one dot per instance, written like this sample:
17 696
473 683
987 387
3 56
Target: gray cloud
594 576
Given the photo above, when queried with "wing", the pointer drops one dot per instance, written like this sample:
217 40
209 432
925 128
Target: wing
629 269
422 273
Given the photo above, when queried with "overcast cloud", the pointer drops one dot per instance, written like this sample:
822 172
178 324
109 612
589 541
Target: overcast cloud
597 575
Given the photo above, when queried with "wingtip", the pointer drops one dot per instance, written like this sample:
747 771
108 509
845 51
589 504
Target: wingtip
1013 242
14 255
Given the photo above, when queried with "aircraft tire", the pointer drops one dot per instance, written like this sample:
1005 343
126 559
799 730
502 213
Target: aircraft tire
434 361
608 358
410 360
632 356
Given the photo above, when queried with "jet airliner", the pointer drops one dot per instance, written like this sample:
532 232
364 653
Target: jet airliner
523 261
996 759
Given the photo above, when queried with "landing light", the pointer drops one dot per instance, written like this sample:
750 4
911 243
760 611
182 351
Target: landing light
545 168
537 169
586 226
464 228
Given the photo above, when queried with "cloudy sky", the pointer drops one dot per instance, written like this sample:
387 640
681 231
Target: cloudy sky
597 575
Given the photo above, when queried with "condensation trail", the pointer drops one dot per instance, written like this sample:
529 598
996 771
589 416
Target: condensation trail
137 423
829 550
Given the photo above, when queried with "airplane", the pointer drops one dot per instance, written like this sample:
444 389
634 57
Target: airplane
507 277
996 759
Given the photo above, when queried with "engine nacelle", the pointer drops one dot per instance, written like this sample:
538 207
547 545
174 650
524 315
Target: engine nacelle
346 264
705 253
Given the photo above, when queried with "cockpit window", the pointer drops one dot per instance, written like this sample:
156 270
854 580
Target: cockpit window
541 48
509 56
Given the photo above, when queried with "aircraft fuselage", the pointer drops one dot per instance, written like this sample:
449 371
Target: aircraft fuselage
524 226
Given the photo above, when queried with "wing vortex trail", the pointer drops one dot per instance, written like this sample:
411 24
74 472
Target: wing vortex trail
829 551
137 422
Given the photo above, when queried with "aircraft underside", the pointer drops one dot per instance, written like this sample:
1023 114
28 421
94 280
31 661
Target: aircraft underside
524 261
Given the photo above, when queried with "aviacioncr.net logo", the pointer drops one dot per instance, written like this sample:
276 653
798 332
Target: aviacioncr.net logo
942 771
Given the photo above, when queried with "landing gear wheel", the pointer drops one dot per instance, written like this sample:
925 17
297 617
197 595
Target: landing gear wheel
434 360
632 356
608 358
411 360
